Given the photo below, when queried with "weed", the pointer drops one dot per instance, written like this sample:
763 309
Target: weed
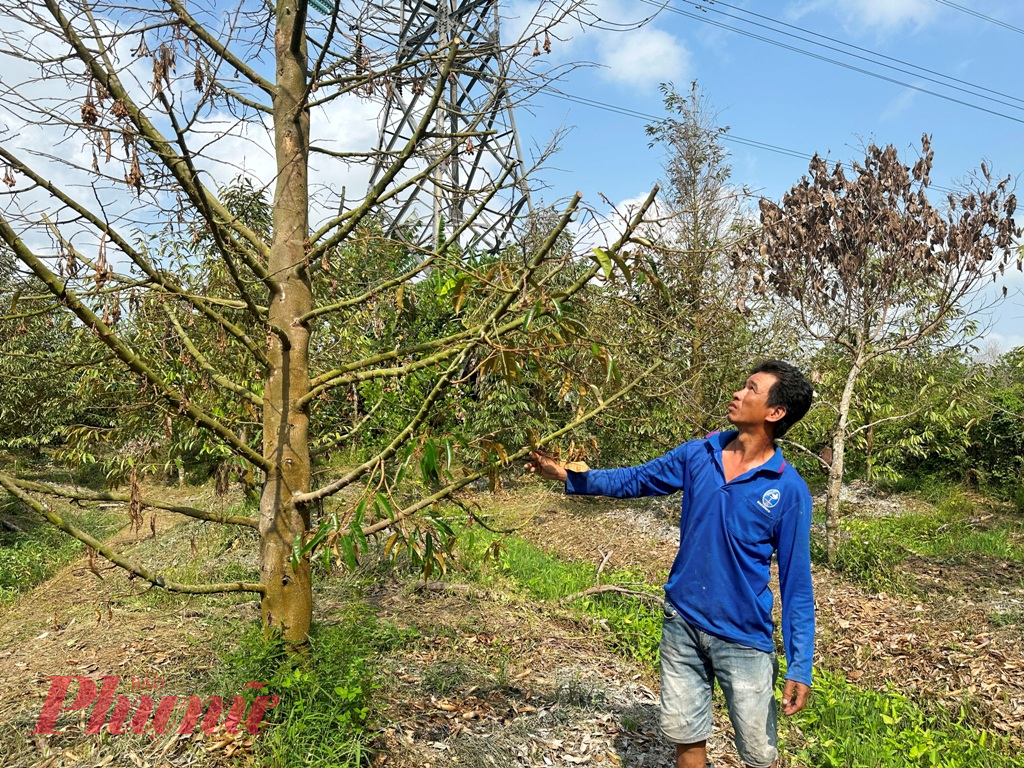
630 722
844 727
480 751
873 550
579 691
39 550
323 718
869 557
446 676
1008 618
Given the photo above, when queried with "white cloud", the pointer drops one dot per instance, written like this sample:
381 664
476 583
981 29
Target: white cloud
644 57
889 13
898 106
877 15
618 36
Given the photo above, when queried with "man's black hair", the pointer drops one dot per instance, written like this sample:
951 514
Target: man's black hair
791 390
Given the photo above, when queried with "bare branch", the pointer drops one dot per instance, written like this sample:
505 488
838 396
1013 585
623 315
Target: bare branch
121 560
81 494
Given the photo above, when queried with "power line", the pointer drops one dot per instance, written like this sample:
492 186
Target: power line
870 52
845 65
729 137
976 14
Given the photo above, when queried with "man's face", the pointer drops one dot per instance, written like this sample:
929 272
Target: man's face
749 406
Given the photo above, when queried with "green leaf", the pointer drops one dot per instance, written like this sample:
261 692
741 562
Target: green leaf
404 465
621 263
323 531
382 502
528 320
602 258
428 463
348 552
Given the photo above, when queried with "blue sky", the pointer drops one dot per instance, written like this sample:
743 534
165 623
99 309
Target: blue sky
783 98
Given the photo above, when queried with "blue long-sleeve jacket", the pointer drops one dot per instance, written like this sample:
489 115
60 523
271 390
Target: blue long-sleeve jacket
727 535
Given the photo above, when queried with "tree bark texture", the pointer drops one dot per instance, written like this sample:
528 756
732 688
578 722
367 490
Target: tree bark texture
287 603
835 474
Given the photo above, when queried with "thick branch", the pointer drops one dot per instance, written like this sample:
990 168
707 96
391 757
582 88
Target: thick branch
211 217
121 560
456 365
79 494
221 50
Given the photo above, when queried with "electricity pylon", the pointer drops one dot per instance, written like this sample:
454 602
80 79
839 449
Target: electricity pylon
474 127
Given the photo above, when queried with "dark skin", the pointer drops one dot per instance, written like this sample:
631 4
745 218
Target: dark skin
754 419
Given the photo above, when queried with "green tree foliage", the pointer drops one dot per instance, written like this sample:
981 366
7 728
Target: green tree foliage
245 329
47 366
997 450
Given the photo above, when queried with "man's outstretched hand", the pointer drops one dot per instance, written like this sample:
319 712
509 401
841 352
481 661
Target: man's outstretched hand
545 466
794 697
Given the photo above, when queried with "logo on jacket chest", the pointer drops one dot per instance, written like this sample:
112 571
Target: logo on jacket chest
769 499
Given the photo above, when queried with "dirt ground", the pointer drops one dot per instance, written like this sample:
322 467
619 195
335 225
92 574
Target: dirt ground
492 680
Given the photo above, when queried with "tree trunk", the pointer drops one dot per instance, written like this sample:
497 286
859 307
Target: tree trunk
287 604
835 474
869 459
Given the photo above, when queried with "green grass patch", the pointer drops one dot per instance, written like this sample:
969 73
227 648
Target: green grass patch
634 623
869 555
1014 618
324 718
40 550
845 727
873 549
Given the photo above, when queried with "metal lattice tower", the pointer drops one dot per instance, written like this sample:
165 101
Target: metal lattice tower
474 122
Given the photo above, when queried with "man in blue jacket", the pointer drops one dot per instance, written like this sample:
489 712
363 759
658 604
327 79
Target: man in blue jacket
742 503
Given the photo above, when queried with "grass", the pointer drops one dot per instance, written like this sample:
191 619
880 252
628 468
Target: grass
324 718
873 550
40 550
843 726
635 627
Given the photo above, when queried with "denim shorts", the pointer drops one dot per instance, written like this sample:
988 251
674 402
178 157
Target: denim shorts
691 660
